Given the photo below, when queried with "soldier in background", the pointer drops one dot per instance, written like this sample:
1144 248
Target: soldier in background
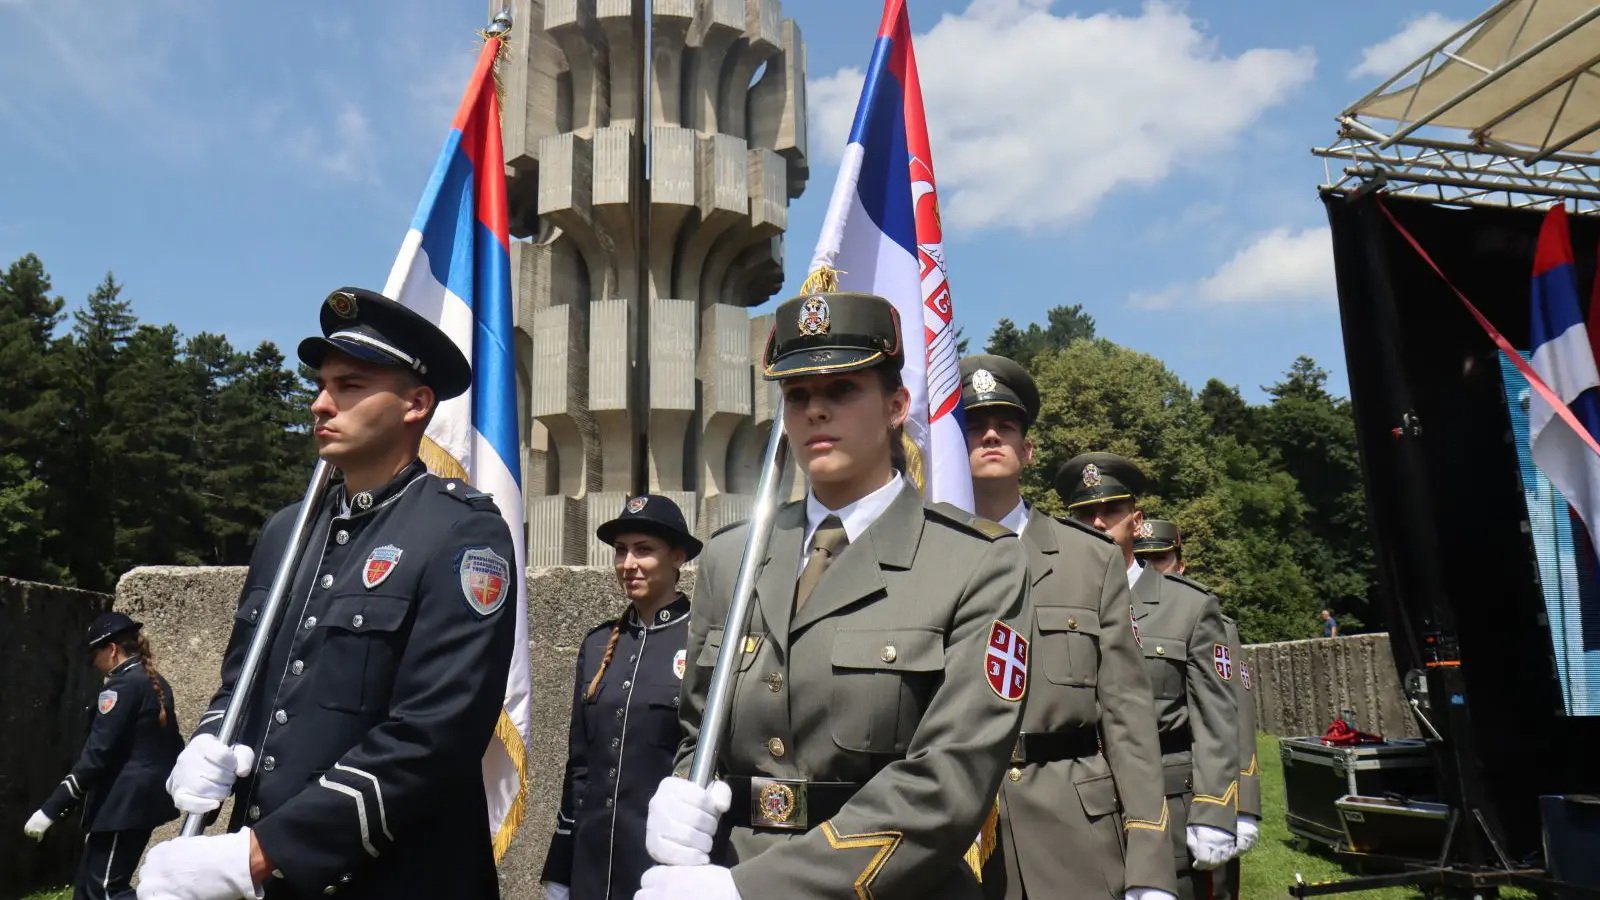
1089 736
1160 546
1180 629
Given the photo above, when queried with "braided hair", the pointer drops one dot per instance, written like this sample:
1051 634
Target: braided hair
133 643
611 649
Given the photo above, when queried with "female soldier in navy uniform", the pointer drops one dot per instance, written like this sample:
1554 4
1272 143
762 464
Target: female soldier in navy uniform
624 731
133 742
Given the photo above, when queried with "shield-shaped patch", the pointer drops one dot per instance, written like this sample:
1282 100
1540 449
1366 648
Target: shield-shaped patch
108 701
485 579
380 563
1006 662
1223 661
679 662
1244 674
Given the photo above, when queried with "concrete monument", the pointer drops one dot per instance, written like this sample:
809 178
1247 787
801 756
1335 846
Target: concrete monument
643 250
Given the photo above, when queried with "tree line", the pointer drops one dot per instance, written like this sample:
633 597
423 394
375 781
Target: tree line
1269 496
124 443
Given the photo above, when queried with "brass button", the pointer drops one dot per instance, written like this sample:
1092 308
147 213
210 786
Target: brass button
1072 624
775 682
1014 774
890 654
775 747
1160 650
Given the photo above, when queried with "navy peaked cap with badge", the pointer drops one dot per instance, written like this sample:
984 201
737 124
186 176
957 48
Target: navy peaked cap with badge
371 327
832 333
1157 536
107 626
651 514
1099 478
989 381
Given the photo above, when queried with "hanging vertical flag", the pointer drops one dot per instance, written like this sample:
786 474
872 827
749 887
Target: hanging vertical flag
454 267
1564 359
882 236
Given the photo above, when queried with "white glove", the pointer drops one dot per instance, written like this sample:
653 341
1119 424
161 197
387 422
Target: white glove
683 820
203 776
1147 894
687 883
208 867
1210 847
38 824
1249 828
553 891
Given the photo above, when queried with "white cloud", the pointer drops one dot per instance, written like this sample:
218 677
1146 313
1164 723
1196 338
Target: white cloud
1283 266
1037 117
1418 36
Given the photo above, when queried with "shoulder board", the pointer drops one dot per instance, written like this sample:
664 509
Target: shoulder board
460 490
965 521
1087 529
1192 583
728 527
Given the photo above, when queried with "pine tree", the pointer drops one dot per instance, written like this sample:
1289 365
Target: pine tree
30 412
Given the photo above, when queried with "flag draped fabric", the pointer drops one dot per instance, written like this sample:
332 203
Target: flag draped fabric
454 267
882 236
1564 358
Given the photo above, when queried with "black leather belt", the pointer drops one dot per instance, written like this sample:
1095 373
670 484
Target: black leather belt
790 804
1176 741
1051 746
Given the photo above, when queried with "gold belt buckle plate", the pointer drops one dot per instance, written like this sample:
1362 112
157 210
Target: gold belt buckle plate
778 803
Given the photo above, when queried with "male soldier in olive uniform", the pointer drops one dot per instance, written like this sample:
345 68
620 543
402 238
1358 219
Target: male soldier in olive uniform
1089 734
1160 546
387 671
881 685
1186 654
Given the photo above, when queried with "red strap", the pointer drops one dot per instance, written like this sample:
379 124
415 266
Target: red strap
1534 381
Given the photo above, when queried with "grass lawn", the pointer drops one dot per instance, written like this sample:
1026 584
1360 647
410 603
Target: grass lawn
62 894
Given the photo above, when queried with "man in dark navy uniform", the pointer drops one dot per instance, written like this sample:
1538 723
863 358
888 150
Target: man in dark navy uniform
379 696
133 742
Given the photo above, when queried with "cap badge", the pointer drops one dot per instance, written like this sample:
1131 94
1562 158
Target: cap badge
1145 529
364 500
983 382
814 319
1091 475
343 304
637 504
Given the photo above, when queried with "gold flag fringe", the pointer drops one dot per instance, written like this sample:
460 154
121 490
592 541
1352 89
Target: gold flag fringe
499 57
914 463
511 739
988 838
822 281
439 461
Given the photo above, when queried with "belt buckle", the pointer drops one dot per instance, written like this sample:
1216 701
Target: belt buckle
778 803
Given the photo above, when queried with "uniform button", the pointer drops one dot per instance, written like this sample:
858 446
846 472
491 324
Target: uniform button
615 743
889 654
775 682
331 889
633 658
255 813
343 537
1014 774
357 622
346 878
254 615
1160 650
327 582
450 486
296 667
627 684
311 622
608 803
619 713
775 747
612 774
1072 624
674 701
281 717
268 764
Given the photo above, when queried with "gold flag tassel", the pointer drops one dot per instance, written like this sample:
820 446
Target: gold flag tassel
988 838
824 280
499 29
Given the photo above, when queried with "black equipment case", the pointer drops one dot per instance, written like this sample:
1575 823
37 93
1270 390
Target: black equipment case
1317 777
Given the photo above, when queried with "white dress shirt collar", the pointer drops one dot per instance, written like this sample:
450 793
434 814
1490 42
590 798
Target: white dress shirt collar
1017 519
1134 571
857 516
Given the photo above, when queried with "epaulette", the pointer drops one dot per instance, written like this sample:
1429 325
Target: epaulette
955 515
460 490
1088 529
726 528
1192 583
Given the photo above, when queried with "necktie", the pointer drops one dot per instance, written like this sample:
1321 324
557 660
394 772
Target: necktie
826 543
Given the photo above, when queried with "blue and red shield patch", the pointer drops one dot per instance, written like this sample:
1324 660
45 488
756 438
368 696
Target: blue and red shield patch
380 563
485 579
1006 662
108 701
1223 661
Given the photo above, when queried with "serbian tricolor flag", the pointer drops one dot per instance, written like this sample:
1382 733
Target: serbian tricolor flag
1565 360
454 268
882 236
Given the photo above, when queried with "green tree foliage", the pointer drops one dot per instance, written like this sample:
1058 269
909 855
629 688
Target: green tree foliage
1269 497
1064 325
123 444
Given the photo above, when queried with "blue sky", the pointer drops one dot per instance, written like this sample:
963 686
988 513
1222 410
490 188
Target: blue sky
231 163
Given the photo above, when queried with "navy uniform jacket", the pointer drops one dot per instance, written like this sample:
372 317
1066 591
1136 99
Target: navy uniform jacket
622 743
380 693
125 762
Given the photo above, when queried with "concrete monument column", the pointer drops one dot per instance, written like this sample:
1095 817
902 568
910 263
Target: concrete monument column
633 292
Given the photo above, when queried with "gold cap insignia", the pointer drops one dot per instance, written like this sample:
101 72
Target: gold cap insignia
1091 475
814 319
983 382
343 304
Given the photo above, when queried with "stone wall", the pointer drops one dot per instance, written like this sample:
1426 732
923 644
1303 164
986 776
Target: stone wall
46 688
1301 686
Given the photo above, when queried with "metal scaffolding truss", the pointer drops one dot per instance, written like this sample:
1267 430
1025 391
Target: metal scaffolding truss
1504 112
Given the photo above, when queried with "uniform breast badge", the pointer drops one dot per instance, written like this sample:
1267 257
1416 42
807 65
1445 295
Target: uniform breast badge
380 564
